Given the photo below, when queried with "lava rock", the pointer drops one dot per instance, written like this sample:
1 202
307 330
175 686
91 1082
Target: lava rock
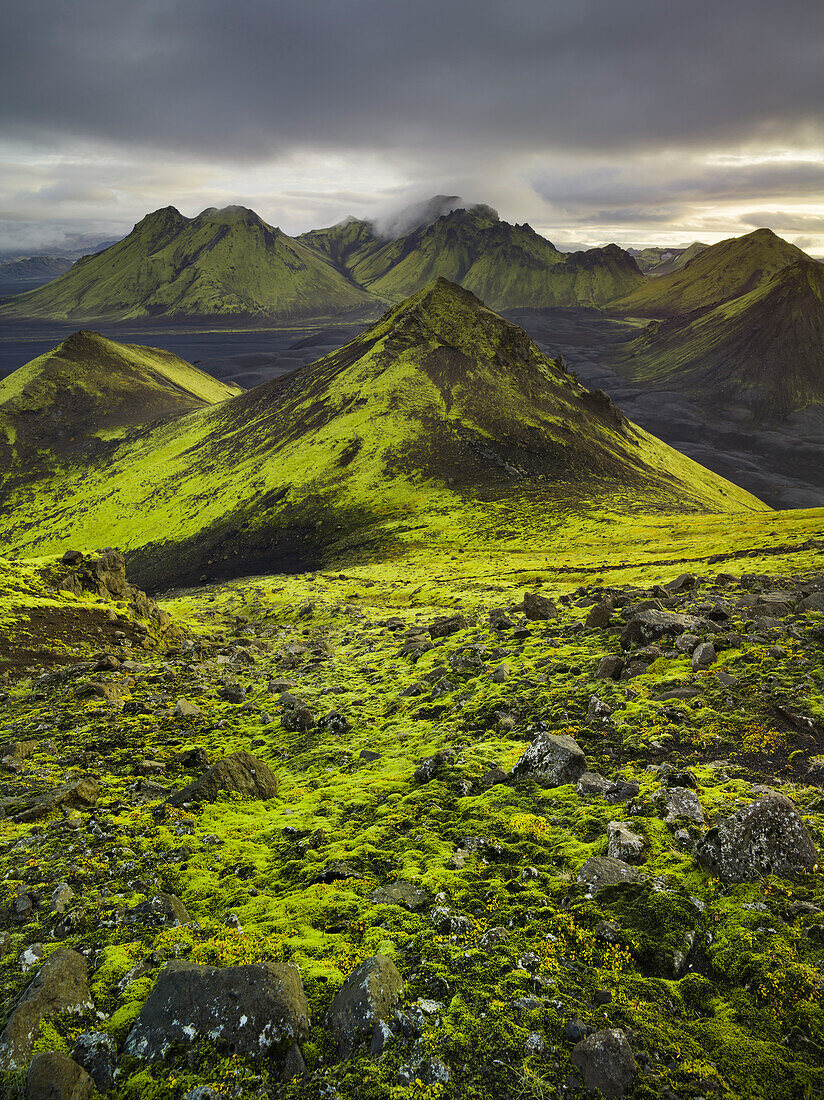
160 911
624 844
252 1009
601 613
60 987
369 996
240 773
680 802
606 1062
82 794
400 893
593 783
609 667
703 656
601 871
537 606
649 625
551 760
54 1076
766 837
446 625
96 1052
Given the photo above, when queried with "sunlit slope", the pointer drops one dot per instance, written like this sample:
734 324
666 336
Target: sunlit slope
90 388
222 263
764 350
505 265
433 417
716 274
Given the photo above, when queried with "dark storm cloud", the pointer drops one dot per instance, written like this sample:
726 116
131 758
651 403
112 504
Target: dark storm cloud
256 78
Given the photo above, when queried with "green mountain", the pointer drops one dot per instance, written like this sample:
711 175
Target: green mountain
763 350
506 265
221 264
438 417
90 389
656 261
717 274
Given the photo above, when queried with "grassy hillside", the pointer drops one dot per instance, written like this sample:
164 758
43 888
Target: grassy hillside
717 274
507 266
764 350
90 389
656 261
221 264
442 416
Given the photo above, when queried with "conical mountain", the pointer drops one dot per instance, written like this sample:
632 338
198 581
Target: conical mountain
506 265
435 419
90 389
716 274
763 351
221 264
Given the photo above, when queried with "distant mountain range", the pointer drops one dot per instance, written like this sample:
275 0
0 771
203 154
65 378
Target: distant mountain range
663 261
229 264
440 410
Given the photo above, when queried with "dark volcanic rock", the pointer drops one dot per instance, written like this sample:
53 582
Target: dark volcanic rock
160 911
601 613
61 986
649 625
239 773
400 893
551 760
96 1052
766 837
82 794
601 871
537 606
251 1009
54 1076
446 625
606 1063
367 998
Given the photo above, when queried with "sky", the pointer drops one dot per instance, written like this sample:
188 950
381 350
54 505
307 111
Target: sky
635 121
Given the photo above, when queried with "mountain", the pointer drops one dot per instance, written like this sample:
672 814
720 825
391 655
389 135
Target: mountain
221 264
508 266
442 416
718 273
763 350
90 389
39 268
656 261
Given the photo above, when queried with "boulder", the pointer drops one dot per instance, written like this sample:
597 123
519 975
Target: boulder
593 783
537 606
252 1010
623 843
601 871
96 1052
297 717
60 987
54 1076
240 773
160 911
446 625
703 656
680 802
606 1062
766 837
649 625
600 613
81 794
551 760
815 602
368 997
184 709
609 667
400 893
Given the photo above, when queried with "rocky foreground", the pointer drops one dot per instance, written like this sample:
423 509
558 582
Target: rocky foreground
336 836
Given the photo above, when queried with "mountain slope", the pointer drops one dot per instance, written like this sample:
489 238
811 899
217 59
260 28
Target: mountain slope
441 414
220 264
42 268
90 388
763 351
717 274
656 261
508 266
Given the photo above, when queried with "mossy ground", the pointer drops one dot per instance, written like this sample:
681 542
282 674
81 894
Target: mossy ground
524 955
